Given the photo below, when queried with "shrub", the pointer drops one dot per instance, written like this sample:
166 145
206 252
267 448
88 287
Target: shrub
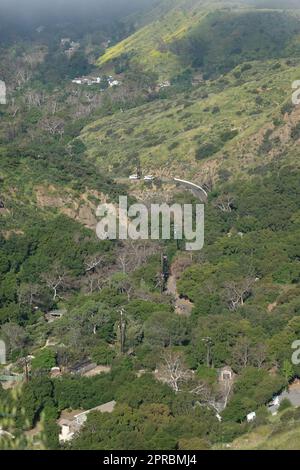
193 444
102 354
284 405
44 360
206 150
173 146
229 431
229 135
215 110
287 416
295 134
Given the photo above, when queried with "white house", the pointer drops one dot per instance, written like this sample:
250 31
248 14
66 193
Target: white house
87 81
162 85
112 82
149 178
77 81
71 423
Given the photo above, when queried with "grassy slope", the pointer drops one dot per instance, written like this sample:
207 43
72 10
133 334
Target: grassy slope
171 21
167 133
266 437
262 439
221 25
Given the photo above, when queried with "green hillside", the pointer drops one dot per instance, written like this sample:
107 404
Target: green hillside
168 22
230 71
228 38
200 90
276 433
149 46
233 122
213 36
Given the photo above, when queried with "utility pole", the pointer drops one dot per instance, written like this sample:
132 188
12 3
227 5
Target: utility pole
165 271
175 237
122 328
139 168
208 342
26 370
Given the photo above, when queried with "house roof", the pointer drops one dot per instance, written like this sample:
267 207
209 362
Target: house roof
105 408
57 312
67 417
225 368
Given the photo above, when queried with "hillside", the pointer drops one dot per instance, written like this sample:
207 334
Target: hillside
202 34
230 74
194 89
277 433
149 45
238 123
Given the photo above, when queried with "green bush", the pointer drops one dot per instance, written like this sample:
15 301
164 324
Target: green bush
284 405
287 416
206 150
44 360
102 354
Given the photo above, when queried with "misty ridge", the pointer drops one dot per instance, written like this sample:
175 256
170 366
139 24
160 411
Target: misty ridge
22 18
35 12
32 11
25 14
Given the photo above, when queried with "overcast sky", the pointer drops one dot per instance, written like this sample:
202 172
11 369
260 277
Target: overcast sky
47 10
35 9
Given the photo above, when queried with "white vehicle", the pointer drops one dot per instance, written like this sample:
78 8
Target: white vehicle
251 417
149 178
134 177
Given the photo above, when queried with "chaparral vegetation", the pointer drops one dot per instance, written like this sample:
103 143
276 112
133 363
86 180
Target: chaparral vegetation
165 349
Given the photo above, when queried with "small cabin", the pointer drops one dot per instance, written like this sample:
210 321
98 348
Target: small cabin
226 374
55 315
